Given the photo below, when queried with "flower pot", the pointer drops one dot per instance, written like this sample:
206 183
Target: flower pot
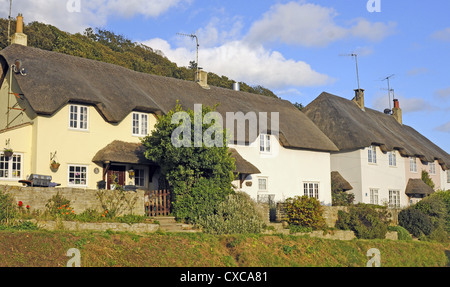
54 166
8 153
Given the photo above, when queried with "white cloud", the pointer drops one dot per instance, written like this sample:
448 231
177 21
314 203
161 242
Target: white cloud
311 25
442 35
443 94
92 13
254 65
445 128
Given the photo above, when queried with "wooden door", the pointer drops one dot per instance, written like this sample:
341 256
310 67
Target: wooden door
117 174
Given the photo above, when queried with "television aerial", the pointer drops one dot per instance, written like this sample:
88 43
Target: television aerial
193 36
356 60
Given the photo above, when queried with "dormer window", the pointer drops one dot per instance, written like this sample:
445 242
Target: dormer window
140 124
412 164
264 143
78 117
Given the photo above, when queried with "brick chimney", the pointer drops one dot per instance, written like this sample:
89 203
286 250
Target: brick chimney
19 37
359 98
202 79
397 112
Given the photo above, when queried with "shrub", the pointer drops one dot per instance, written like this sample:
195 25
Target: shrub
415 221
117 201
367 221
304 211
403 234
8 209
445 198
237 214
59 206
203 200
433 207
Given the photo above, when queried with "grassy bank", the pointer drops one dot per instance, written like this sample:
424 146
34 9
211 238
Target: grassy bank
48 249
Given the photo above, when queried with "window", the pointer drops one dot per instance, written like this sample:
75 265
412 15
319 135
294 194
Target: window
11 167
373 196
412 164
448 176
262 184
394 198
78 117
140 124
139 177
311 189
392 158
78 175
372 154
432 168
264 143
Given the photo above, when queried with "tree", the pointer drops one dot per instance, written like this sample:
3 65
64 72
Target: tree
427 179
200 176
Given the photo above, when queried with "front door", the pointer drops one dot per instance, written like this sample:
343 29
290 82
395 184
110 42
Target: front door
116 174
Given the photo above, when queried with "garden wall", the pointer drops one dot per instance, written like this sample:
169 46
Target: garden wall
80 199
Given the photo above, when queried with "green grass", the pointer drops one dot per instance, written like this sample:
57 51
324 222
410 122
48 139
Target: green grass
98 249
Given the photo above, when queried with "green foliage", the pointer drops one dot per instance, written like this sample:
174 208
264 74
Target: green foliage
427 179
444 196
238 214
403 234
199 176
59 206
304 211
202 200
367 221
415 222
341 198
299 106
429 218
8 209
117 201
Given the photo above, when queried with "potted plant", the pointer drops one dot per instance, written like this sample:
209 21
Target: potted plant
54 165
8 152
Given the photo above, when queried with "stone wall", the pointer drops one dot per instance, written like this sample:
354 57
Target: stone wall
100 226
80 199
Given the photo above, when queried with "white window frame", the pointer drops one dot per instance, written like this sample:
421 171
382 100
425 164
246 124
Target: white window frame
413 164
265 144
372 154
77 120
392 159
143 177
74 184
374 193
311 189
266 179
432 168
394 198
142 124
10 169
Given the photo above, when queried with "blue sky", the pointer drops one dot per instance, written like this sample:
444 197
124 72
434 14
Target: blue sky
291 47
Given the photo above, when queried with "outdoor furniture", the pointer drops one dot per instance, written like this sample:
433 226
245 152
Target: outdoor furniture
38 180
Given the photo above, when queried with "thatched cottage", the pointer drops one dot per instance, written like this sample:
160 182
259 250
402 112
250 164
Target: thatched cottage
378 154
89 117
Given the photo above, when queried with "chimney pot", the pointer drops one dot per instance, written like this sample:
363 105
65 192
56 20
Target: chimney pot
19 37
359 98
19 24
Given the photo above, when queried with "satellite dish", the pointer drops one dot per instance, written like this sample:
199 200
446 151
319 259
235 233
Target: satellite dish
388 111
23 72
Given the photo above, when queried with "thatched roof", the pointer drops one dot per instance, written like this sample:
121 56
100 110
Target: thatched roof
122 152
417 186
133 153
350 128
243 166
56 79
339 182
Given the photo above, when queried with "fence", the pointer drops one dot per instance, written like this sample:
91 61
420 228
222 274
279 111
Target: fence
158 203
